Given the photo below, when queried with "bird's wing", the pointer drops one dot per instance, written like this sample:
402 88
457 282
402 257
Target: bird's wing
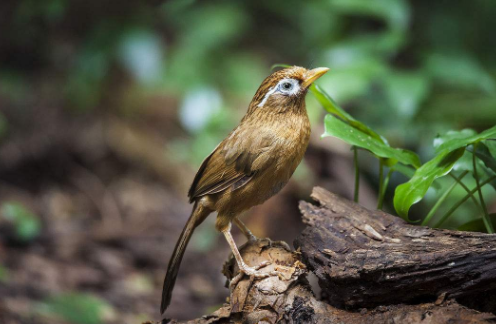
232 164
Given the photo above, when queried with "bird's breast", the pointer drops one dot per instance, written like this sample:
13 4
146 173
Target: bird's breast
291 139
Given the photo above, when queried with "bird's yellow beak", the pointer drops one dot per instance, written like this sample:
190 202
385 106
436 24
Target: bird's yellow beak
313 75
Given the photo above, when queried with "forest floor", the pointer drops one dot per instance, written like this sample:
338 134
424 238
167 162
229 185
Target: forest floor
108 227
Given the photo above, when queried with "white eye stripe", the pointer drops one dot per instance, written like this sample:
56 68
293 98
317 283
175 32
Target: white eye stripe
271 91
279 87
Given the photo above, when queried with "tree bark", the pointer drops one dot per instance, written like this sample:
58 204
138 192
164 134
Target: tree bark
367 258
372 268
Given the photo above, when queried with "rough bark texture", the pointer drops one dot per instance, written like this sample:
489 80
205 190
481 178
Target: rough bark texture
367 258
401 273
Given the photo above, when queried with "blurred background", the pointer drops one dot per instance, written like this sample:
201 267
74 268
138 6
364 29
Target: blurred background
107 109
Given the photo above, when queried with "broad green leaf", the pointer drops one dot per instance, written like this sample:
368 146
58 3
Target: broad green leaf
452 135
333 108
483 153
414 190
27 225
477 225
77 308
466 139
338 128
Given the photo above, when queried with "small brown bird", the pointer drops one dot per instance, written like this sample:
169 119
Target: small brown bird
251 165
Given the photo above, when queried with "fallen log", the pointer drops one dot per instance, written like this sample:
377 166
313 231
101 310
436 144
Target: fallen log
372 268
366 258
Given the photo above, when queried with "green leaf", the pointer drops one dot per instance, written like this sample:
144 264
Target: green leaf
484 155
406 91
463 138
460 70
338 128
279 65
333 108
403 169
491 145
477 225
414 190
452 135
77 308
27 225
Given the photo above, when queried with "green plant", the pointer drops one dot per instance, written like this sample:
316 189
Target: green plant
77 308
27 225
469 151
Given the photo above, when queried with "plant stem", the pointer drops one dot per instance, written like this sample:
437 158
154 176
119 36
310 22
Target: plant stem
485 216
384 188
466 189
357 173
381 183
461 201
442 199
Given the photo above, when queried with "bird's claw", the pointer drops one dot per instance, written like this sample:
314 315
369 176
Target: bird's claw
253 272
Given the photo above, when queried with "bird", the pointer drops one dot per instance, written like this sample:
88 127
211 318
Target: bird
250 165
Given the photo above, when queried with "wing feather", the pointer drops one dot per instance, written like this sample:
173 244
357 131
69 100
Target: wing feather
231 165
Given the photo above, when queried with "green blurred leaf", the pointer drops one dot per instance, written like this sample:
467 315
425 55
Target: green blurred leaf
77 308
460 70
4 274
414 190
394 12
477 225
484 155
27 225
406 91
338 128
463 138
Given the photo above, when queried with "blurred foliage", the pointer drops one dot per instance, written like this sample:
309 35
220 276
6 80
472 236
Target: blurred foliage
4 274
408 69
27 226
77 308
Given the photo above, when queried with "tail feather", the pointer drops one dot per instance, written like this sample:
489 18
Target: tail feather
197 216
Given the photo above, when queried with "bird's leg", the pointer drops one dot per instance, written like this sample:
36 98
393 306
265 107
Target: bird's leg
245 230
243 267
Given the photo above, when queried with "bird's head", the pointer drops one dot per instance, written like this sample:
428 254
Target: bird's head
285 90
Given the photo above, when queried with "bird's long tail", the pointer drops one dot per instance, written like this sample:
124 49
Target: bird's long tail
197 216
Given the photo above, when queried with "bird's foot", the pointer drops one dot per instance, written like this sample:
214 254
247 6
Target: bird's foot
253 272
252 238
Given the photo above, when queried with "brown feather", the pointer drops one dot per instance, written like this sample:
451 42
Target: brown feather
253 163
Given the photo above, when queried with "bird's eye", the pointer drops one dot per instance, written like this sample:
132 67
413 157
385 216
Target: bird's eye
287 85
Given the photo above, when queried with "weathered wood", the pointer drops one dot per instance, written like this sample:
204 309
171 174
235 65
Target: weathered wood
367 258
373 268
289 299
303 312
